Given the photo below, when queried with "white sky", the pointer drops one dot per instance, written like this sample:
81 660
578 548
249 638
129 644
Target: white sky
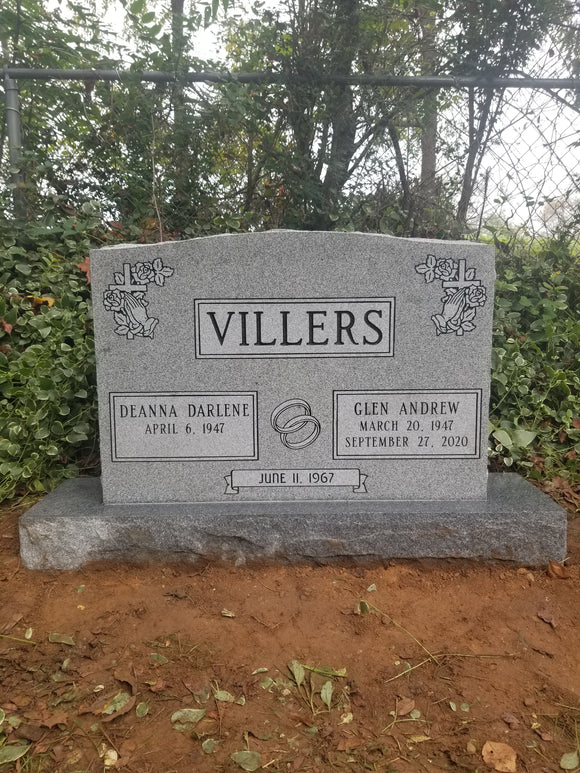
206 45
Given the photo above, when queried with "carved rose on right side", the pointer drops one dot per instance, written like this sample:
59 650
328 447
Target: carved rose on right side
476 296
464 294
142 273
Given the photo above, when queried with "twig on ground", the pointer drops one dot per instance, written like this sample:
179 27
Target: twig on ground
270 627
407 670
15 638
109 739
442 656
402 628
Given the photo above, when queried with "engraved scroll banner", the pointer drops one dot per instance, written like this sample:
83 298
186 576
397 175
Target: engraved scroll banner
353 478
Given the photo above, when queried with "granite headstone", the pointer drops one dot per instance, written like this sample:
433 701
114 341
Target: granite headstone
297 396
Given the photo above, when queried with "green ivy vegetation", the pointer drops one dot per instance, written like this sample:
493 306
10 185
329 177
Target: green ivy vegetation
48 418
535 402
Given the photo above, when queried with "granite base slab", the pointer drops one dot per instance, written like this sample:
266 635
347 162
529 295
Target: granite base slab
71 526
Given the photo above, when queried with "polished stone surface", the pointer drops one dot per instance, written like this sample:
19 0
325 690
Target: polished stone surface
293 366
71 526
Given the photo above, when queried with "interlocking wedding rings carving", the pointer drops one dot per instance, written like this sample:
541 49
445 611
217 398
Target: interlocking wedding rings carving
295 423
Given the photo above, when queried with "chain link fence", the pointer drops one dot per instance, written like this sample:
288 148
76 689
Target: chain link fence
530 173
505 152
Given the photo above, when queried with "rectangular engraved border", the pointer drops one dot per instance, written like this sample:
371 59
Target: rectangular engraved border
273 301
115 458
423 457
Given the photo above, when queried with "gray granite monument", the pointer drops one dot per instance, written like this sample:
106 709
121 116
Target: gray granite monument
293 396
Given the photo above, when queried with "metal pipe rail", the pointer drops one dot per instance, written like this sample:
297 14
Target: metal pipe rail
377 79
420 82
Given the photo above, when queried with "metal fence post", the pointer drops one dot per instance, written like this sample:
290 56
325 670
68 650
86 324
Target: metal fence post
14 134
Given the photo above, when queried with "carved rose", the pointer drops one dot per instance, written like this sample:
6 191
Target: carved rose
142 273
476 296
129 306
459 303
113 300
446 269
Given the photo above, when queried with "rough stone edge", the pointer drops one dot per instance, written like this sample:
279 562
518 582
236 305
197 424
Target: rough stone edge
71 527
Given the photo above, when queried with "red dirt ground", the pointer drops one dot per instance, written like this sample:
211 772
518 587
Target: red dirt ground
441 660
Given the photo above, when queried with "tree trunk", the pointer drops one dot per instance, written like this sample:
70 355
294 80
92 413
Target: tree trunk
429 149
428 182
342 145
180 127
477 129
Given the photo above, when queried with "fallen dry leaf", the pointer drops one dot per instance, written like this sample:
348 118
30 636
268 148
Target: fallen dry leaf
405 706
560 483
29 732
500 756
85 268
51 720
547 617
122 710
557 571
327 731
43 300
345 744
110 758
61 638
561 488
109 706
21 701
510 719
124 675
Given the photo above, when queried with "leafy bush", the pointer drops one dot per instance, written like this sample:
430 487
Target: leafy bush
535 405
47 362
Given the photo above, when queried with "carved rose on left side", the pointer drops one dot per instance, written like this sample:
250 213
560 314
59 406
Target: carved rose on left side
446 269
113 300
128 301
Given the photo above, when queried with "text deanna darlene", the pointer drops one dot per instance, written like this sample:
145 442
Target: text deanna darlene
152 410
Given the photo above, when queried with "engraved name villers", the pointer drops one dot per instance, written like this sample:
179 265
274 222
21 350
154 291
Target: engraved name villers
320 327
